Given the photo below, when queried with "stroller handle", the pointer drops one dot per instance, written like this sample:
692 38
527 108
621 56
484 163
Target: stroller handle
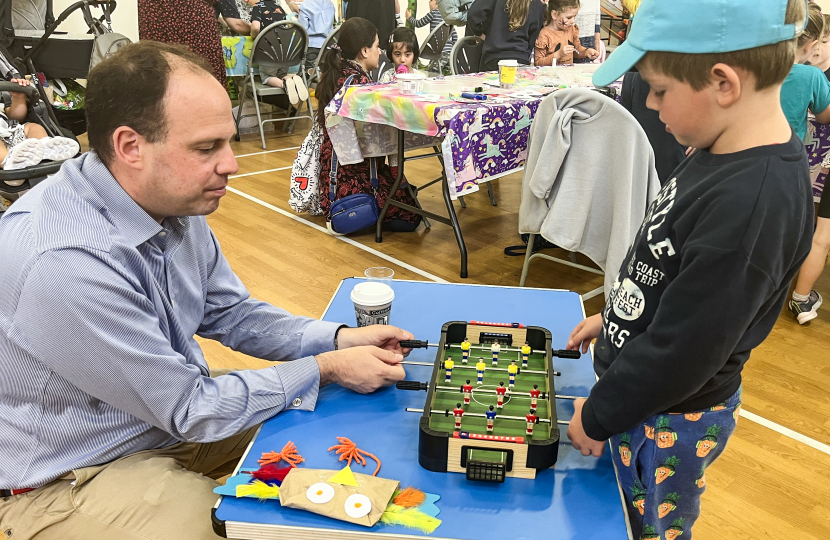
29 91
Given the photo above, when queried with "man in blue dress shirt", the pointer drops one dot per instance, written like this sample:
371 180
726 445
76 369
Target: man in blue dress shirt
112 426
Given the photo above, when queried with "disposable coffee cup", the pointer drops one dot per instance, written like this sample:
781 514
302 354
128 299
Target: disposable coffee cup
372 302
507 73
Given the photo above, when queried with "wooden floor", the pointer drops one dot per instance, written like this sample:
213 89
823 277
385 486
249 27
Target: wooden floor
766 485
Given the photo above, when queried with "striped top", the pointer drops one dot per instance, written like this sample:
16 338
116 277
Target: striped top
433 19
99 309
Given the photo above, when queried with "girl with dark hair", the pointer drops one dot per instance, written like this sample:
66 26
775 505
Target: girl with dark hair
559 39
403 51
354 55
510 26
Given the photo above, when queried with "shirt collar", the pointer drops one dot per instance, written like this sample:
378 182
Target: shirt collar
134 223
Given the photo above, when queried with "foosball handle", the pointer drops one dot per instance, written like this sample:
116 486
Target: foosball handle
562 353
414 344
411 385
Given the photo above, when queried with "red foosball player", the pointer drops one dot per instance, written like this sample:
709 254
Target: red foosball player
531 420
534 396
500 392
468 392
458 412
491 417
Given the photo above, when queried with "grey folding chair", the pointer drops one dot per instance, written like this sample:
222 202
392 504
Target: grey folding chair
384 65
284 45
433 47
466 55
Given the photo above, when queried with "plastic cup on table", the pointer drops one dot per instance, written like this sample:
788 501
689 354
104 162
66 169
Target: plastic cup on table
372 302
380 273
507 73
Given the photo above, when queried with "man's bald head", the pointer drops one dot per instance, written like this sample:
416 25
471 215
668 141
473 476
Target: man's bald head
128 89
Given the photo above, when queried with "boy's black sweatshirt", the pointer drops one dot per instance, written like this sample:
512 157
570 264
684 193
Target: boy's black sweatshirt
702 285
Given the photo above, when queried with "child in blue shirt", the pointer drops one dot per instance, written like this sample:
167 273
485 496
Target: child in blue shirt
317 16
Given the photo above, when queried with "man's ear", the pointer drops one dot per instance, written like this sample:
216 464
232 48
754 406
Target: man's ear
728 84
129 147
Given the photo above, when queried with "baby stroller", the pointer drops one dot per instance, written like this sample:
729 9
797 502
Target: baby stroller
31 43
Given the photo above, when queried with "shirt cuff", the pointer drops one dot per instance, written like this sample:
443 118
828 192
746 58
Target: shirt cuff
318 337
300 382
591 425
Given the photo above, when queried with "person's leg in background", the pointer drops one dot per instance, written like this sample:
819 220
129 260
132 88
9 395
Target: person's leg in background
806 301
661 467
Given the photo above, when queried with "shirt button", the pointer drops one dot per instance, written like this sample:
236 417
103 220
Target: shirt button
297 402
162 234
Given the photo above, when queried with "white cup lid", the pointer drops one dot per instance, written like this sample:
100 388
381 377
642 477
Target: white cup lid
509 63
372 293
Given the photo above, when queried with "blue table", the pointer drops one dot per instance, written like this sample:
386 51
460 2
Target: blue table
578 499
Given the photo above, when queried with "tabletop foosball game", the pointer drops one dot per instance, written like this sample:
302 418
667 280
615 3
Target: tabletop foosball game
490 410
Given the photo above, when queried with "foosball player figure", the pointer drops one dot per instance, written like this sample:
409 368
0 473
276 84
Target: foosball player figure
468 392
495 348
500 392
448 365
480 367
491 416
525 354
465 350
512 369
534 396
531 421
458 412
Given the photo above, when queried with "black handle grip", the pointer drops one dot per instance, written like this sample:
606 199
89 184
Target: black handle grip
14 87
562 353
414 344
411 385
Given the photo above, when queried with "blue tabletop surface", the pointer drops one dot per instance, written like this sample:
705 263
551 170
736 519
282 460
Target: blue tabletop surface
579 498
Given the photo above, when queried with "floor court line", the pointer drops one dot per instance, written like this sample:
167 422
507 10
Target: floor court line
812 443
260 172
267 152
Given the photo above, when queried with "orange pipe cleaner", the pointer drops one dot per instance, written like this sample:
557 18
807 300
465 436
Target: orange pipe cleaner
288 454
349 451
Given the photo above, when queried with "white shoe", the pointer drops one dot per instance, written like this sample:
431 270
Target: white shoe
59 148
25 154
302 91
291 90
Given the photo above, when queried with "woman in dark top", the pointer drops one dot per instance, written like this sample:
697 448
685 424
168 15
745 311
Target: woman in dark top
355 55
510 28
189 22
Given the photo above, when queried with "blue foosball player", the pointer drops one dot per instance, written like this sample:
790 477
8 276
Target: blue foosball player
491 417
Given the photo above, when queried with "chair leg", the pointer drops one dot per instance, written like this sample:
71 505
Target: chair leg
259 120
461 200
490 192
241 105
528 254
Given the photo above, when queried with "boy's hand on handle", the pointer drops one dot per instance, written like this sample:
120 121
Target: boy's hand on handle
362 369
584 333
21 82
380 335
582 442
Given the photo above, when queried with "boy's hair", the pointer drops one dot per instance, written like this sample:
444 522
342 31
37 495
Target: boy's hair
517 9
403 38
559 6
826 27
128 89
769 64
815 28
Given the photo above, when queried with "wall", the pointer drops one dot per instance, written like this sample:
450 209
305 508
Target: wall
124 19
825 5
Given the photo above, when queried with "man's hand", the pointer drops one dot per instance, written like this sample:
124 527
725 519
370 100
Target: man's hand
362 369
380 335
582 442
584 333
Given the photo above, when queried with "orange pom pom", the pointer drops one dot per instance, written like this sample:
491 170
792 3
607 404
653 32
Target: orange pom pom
410 498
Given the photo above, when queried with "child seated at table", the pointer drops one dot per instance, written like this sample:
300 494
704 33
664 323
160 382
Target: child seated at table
264 14
403 51
27 144
704 282
821 53
559 39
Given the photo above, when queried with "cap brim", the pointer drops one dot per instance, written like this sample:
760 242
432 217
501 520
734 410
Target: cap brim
617 64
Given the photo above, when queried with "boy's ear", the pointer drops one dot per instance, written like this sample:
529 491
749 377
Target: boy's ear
728 84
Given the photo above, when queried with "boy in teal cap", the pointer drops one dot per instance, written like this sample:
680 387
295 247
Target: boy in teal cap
707 275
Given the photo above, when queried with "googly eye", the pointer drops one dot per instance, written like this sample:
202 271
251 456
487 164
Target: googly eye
358 505
320 493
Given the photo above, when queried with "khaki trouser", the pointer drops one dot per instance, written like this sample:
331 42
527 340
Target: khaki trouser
162 494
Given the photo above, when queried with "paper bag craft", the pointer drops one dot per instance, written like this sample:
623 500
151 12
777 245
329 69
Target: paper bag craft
353 497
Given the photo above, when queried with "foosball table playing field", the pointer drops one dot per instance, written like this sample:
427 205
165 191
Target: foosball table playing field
490 410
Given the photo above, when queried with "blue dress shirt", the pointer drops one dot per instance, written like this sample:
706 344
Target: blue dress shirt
317 16
98 312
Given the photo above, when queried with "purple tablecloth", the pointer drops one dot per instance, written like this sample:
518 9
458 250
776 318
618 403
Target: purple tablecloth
818 146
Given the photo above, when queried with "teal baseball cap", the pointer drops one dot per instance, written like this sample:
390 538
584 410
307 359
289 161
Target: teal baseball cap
698 27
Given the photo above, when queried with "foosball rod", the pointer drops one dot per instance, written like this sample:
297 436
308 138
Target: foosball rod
479 415
509 394
462 366
418 344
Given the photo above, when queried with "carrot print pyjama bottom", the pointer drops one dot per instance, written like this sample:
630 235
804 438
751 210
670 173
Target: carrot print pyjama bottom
661 465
